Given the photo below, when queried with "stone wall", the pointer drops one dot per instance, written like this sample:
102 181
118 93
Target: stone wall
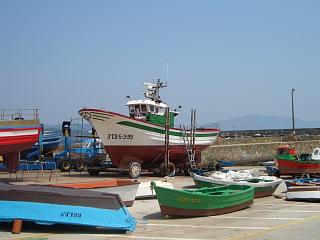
256 149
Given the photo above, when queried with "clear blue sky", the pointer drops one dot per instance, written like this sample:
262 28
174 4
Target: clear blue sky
226 58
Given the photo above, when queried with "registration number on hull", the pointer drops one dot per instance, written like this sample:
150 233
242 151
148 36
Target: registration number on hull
119 136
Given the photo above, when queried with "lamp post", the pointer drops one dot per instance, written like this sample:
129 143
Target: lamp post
292 108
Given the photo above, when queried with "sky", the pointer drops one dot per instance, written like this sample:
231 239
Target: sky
224 58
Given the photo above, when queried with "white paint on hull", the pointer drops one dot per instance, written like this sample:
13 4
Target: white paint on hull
303 195
108 129
10 133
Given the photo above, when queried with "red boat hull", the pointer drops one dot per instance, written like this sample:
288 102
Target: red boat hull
146 156
297 167
18 139
13 141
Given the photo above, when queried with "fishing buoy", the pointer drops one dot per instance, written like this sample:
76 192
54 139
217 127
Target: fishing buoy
16 226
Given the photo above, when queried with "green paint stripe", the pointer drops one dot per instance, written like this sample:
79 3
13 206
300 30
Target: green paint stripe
161 131
100 116
98 119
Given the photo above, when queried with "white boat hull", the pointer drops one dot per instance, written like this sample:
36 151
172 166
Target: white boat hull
131 140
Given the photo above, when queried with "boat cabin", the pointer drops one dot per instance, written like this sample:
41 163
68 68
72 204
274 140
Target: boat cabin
286 149
141 108
151 109
316 154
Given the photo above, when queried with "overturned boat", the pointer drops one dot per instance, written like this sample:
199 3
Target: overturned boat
125 188
50 205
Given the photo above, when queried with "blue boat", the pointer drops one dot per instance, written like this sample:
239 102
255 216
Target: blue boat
49 142
303 182
55 205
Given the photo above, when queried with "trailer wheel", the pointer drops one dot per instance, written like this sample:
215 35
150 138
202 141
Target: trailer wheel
93 172
134 170
171 168
79 166
64 165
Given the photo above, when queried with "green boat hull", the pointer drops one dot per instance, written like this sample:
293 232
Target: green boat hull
204 201
258 191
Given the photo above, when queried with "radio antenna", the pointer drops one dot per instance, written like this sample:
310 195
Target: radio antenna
167 71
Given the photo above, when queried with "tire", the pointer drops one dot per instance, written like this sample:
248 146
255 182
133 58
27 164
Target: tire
134 170
34 158
93 172
172 170
64 165
79 166
171 167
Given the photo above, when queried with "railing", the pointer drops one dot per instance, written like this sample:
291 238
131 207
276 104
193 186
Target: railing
36 170
19 114
202 126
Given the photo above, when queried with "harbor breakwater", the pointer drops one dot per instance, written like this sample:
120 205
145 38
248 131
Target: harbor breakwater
253 150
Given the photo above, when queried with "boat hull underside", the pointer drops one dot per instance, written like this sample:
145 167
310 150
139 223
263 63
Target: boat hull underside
65 214
122 156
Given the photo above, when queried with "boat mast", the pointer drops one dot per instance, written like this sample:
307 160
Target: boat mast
153 90
166 141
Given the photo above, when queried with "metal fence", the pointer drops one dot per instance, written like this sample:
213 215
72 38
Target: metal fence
19 114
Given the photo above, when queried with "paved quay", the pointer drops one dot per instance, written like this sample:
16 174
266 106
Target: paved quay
268 218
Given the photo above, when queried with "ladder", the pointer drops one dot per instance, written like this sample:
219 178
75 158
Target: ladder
189 141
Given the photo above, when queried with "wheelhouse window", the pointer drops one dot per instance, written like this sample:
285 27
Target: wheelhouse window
143 108
151 108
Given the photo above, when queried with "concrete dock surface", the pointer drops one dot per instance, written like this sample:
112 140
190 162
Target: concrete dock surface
268 218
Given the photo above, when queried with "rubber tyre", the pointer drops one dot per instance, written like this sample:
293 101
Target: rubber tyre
79 166
64 165
93 172
134 170
172 169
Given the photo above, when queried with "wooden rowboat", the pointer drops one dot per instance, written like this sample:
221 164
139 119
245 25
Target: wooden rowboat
204 201
125 188
264 185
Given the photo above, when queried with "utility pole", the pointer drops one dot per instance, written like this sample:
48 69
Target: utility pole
292 108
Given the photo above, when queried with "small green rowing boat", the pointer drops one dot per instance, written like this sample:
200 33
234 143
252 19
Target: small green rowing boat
204 201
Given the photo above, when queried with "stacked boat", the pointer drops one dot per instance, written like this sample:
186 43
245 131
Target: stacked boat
125 188
303 189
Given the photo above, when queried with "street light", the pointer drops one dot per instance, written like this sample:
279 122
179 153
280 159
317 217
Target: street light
292 108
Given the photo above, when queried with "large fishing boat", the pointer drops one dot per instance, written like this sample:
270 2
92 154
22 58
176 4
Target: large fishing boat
19 130
138 140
